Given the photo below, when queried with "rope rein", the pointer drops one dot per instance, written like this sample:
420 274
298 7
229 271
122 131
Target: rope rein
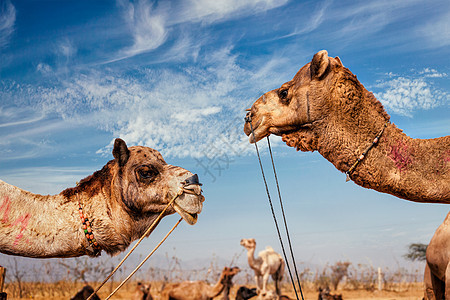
150 228
248 119
145 259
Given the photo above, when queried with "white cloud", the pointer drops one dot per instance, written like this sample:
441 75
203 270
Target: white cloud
182 112
432 73
147 26
437 31
7 21
404 96
220 10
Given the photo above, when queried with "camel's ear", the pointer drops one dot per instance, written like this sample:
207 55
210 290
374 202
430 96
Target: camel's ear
319 64
121 152
339 61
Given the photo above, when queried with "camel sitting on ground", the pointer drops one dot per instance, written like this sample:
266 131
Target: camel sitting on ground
142 292
437 268
325 108
84 293
198 290
244 293
267 263
116 204
228 284
325 294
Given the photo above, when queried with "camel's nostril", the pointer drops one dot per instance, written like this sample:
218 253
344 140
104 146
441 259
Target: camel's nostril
192 180
248 117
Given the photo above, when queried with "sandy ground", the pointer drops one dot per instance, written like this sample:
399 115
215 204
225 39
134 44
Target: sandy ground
413 291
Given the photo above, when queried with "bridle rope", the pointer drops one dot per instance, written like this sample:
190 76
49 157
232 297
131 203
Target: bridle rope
248 120
147 232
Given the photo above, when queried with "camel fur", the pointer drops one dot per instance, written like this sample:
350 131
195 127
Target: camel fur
437 268
267 263
325 108
120 201
198 290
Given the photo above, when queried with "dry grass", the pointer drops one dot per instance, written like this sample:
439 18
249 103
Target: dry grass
65 290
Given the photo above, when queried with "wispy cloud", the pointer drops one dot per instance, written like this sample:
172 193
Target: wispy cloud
147 25
437 31
7 21
220 10
406 95
181 113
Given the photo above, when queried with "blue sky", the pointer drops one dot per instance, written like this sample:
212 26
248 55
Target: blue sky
177 76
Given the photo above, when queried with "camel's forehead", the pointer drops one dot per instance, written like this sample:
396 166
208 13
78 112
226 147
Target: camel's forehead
141 153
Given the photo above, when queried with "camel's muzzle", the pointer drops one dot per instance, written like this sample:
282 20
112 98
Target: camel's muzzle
191 180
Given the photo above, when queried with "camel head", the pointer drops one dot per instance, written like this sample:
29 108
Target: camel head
228 274
297 104
249 244
145 183
140 182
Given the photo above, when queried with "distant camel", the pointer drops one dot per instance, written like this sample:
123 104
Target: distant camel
228 283
325 108
142 292
116 206
437 268
324 294
245 293
267 263
84 293
197 290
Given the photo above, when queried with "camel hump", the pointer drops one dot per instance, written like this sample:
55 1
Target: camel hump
268 248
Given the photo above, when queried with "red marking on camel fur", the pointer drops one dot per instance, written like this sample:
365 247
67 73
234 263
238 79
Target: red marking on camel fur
446 156
401 155
23 220
6 204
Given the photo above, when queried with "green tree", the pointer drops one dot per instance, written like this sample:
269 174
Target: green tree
416 251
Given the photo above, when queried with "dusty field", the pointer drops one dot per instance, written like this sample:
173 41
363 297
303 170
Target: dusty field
408 291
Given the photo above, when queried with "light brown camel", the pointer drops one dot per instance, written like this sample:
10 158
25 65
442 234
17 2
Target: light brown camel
142 292
120 201
437 269
198 290
267 263
325 108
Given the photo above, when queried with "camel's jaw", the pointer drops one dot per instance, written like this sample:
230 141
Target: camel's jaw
255 129
189 204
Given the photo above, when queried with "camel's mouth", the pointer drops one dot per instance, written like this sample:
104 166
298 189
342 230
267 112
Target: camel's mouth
190 218
190 203
259 132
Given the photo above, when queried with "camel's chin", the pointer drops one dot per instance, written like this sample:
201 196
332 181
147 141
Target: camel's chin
190 218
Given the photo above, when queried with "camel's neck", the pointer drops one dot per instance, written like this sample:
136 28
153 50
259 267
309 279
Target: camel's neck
216 289
50 226
39 226
252 262
412 169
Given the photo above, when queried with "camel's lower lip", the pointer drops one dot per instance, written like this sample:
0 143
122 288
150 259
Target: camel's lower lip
190 218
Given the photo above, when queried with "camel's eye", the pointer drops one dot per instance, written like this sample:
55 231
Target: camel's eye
283 95
147 172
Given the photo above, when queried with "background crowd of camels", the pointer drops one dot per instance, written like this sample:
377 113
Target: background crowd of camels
323 108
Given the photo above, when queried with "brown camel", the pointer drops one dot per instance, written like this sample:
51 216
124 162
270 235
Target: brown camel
142 292
198 290
267 263
84 293
120 202
437 269
325 108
